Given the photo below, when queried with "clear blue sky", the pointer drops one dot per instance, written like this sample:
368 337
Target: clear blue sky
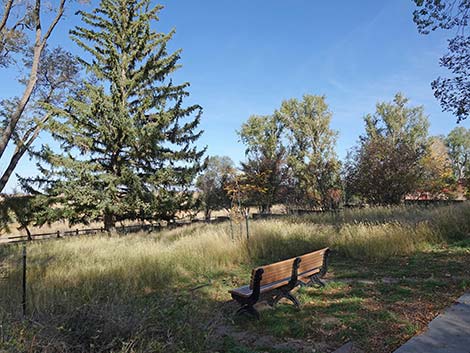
244 57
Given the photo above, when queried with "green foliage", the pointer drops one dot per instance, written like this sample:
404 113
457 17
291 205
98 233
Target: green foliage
291 154
437 179
458 143
26 211
454 92
265 167
312 162
127 139
212 183
387 163
445 14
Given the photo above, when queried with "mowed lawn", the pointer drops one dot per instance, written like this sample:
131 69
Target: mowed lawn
392 270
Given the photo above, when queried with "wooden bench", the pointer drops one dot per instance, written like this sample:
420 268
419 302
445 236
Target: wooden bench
280 279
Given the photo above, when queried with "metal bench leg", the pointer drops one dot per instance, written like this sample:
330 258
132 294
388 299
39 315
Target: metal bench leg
287 295
317 282
248 309
293 299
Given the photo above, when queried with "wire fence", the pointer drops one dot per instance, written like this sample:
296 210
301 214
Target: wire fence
77 232
13 281
152 227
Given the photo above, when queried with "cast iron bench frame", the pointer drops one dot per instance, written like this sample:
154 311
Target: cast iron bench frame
305 270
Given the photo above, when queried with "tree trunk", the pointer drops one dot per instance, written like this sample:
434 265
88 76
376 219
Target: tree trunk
264 209
207 214
15 117
109 221
22 147
39 44
28 232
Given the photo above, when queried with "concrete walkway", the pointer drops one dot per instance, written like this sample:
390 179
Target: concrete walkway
447 333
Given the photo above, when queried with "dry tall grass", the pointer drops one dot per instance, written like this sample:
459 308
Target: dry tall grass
106 271
129 264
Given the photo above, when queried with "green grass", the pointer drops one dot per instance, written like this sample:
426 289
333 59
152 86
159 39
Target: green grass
168 291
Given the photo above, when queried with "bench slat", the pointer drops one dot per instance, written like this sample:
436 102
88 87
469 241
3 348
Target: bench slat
245 291
274 272
312 260
276 276
310 264
309 273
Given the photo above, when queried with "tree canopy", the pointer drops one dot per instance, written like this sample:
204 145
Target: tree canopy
127 139
265 152
290 154
386 165
24 35
458 144
452 92
212 183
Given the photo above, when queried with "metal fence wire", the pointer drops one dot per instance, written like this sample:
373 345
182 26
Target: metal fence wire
13 285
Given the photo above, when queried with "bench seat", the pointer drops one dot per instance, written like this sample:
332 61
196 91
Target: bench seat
246 291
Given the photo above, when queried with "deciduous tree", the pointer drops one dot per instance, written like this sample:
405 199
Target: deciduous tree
58 73
265 152
437 178
24 37
452 92
387 163
458 143
212 183
312 163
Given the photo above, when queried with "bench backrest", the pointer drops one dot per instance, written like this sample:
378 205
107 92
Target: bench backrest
274 272
313 261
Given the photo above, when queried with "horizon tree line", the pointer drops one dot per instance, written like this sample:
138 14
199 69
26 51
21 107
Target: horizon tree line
395 158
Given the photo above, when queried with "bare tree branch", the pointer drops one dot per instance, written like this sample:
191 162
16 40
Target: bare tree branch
6 15
23 145
39 46
60 12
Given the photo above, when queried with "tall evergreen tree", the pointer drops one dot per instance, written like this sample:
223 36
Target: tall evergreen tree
127 138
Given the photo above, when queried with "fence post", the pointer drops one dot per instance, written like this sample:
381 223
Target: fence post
58 234
76 231
231 229
23 302
247 228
